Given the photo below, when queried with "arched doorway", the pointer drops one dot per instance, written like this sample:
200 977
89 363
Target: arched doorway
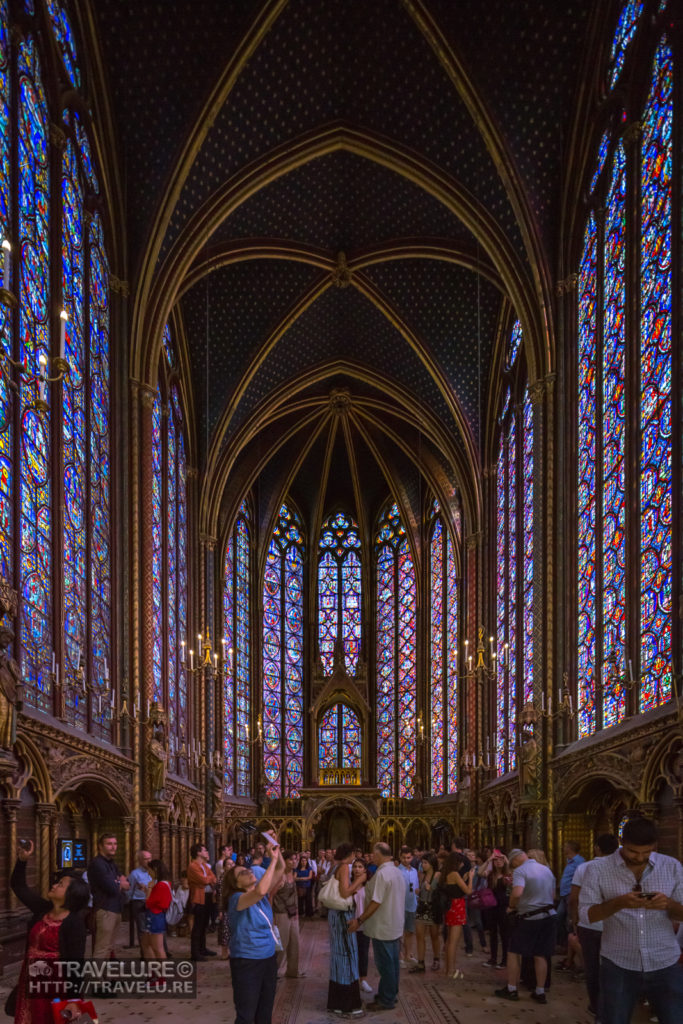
341 824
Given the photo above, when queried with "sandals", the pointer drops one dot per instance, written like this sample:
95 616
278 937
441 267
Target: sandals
457 975
436 966
419 968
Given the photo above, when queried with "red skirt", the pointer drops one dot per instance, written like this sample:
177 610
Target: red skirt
457 913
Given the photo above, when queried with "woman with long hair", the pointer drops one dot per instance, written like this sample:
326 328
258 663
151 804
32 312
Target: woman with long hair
427 913
454 885
362 940
343 994
253 939
56 932
496 871
157 903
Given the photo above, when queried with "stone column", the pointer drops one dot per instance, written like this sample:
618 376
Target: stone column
45 813
10 808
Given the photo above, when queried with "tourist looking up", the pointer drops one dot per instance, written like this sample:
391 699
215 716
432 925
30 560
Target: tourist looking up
343 995
382 921
56 931
637 893
108 886
532 932
253 961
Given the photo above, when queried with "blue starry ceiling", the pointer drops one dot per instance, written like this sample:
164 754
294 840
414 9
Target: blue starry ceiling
161 59
365 64
245 302
342 202
452 308
342 324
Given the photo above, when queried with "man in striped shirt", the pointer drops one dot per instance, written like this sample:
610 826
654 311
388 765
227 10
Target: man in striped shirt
638 894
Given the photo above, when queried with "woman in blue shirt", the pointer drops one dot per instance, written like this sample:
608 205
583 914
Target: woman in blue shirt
253 964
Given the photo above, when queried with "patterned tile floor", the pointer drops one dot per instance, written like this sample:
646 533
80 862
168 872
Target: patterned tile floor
423 999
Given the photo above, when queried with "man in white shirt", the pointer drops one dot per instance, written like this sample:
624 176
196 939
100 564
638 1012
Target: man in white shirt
382 921
589 935
533 933
637 893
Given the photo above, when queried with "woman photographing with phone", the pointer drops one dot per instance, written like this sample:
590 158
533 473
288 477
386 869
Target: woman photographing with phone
254 940
56 932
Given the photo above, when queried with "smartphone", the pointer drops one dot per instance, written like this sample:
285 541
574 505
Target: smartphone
270 838
25 844
648 895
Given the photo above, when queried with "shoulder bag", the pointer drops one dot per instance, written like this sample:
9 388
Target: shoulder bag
331 897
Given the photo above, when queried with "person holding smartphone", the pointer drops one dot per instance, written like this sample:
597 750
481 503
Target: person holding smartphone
637 893
254 942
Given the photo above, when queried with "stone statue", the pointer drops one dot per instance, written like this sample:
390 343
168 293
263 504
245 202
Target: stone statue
10 691
528 769
158 758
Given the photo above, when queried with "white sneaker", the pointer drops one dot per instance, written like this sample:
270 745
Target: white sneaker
404 963
365 987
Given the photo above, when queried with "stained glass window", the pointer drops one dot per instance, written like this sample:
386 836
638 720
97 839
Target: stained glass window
283 658
656 460
396 661
586 497
514 497
65 40
528 552
626 29
170 561
34 332
608 398
443 642
236 649
6 426
339 739
613 410
339 592
515 342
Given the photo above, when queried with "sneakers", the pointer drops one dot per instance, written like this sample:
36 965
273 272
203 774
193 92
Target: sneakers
489 963
436 965
505 993
375 1007
365 987
404 963
539 997
457 975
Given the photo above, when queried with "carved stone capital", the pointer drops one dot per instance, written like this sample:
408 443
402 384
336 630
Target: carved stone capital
147 395
208 541
10 807
192 472
566 285
57 137
473 540
118 286
537 392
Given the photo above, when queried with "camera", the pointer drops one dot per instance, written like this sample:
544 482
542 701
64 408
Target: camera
25 844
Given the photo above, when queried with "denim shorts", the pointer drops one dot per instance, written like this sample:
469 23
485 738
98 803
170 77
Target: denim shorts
409 921
155 923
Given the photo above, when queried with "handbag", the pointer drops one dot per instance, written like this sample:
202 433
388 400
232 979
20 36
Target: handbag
331 897
483 899
75 1011
11 1001
275 932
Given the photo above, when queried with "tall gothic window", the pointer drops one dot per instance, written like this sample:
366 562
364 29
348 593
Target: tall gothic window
443 657
514 558
170 553
339 592
339 741
55 486
622 549
236 654
283 662
396 634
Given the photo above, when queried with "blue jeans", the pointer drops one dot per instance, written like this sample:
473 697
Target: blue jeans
620 990
253 989
386 961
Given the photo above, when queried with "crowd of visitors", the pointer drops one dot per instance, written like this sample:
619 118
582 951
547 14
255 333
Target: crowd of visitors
614 918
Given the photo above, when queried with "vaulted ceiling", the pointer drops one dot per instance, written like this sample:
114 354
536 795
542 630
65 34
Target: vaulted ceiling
343 204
